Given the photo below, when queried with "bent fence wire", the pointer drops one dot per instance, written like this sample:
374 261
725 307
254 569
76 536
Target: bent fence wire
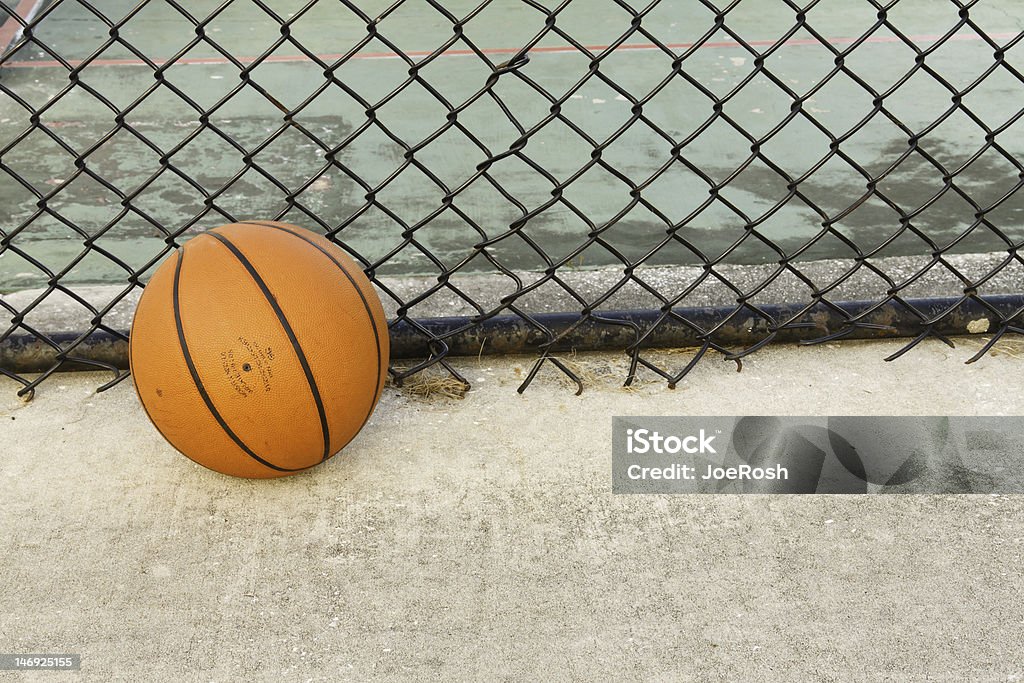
519 175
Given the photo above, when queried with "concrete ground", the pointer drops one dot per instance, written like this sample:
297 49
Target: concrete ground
478 539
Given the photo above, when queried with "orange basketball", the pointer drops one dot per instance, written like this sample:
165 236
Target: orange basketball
259 349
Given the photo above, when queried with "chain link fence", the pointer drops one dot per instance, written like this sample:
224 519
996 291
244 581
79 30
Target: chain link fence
519 176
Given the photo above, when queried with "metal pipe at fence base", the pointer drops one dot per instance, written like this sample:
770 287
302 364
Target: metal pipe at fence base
511 334
514 334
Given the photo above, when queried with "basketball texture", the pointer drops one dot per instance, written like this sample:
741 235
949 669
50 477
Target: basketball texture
259 349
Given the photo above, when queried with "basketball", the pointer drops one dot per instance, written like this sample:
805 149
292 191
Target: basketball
259 349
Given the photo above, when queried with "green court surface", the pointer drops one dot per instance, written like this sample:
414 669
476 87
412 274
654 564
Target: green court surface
168 169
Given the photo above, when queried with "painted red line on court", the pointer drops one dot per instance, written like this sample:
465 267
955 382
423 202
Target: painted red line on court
10 30
551 49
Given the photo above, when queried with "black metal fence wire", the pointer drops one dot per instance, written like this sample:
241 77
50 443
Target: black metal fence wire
632 332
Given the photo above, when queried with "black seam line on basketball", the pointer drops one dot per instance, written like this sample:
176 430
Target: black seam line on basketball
145 408
366 305
131 371
199 383
291 337
359 291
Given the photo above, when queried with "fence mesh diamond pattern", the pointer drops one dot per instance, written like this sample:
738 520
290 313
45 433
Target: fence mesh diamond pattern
578 171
